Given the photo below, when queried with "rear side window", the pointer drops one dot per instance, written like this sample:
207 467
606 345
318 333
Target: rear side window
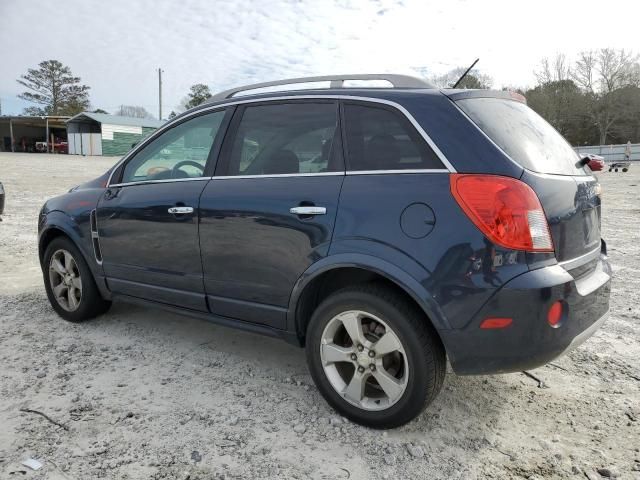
382 139
285 139
524 135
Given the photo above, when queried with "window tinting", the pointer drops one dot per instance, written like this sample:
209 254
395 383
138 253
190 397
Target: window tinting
524 135
284 139
381 139
180 152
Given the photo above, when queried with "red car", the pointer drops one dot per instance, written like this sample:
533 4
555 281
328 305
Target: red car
595 162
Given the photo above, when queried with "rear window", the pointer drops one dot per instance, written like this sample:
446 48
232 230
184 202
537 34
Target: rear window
524 135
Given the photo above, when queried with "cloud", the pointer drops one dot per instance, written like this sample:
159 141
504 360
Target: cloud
117 46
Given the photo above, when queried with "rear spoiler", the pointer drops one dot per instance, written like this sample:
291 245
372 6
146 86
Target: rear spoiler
460 94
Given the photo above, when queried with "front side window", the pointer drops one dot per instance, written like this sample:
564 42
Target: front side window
285 139
180 152
381 139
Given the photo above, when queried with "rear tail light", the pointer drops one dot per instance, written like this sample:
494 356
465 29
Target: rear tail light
506 210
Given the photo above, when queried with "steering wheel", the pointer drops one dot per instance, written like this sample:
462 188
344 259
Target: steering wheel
176 168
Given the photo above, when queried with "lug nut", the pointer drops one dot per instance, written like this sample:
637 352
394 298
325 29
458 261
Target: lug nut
354 356
360 369
372 367
372 353
360 348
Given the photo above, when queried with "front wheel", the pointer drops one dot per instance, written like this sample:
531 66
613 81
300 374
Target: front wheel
374 356
70 286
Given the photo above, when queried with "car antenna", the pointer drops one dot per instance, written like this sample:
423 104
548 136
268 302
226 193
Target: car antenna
465 73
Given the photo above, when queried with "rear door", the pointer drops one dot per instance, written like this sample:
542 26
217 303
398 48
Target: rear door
568 191
269 212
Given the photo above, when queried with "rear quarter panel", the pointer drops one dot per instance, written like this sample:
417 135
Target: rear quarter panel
456 267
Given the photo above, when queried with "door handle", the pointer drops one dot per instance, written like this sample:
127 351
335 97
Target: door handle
180 210
308 210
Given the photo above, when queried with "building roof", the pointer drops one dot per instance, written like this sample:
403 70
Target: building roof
55 121
116 120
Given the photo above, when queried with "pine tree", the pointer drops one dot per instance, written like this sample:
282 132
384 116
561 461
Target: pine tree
53 86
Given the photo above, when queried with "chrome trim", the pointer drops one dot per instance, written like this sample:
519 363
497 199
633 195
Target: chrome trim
408 170
95 235
239 101
309 210
180 210
169 180
276 175
581 260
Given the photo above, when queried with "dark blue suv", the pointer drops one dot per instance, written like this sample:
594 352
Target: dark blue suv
384 229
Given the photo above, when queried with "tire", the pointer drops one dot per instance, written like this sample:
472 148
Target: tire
616 169
79 298
610 169
625 170
419 366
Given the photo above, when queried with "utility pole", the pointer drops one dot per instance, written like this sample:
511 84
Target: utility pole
159 94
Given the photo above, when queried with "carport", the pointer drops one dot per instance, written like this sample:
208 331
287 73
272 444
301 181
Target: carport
20 134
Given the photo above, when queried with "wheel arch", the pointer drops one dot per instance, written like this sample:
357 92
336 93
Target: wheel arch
337 271
58 224
47 236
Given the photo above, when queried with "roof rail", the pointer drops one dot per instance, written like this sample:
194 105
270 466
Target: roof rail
337 81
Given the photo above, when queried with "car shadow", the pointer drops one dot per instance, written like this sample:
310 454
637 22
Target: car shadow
466 413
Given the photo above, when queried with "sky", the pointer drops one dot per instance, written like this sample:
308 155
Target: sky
117 46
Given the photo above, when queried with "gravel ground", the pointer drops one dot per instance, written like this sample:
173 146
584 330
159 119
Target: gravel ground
141 393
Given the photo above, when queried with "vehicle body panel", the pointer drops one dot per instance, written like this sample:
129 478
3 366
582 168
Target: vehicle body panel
148 252
455 264
530 341
253 249
572 207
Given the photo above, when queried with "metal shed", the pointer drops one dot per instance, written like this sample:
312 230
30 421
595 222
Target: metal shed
102 134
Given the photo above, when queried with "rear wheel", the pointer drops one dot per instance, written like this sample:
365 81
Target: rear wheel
374 357
70 286
625 169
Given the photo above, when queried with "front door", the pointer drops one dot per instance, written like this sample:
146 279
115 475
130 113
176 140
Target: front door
147 219
269 212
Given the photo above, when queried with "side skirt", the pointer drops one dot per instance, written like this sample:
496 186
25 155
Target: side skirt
288 337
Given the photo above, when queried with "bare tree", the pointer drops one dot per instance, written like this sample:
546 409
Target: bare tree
603 74
553 70
133 111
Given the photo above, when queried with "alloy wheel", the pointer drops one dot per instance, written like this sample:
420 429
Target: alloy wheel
65 280
364 360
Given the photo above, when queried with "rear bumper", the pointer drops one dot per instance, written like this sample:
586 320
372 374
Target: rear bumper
530 341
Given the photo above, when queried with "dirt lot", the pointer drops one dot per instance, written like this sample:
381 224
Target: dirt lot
146 394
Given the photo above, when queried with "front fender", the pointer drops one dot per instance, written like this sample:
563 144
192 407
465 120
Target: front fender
388 270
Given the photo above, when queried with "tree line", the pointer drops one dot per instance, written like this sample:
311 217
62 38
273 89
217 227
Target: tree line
594 99
56 91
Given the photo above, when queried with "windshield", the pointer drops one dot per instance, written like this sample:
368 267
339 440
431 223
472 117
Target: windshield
524 135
